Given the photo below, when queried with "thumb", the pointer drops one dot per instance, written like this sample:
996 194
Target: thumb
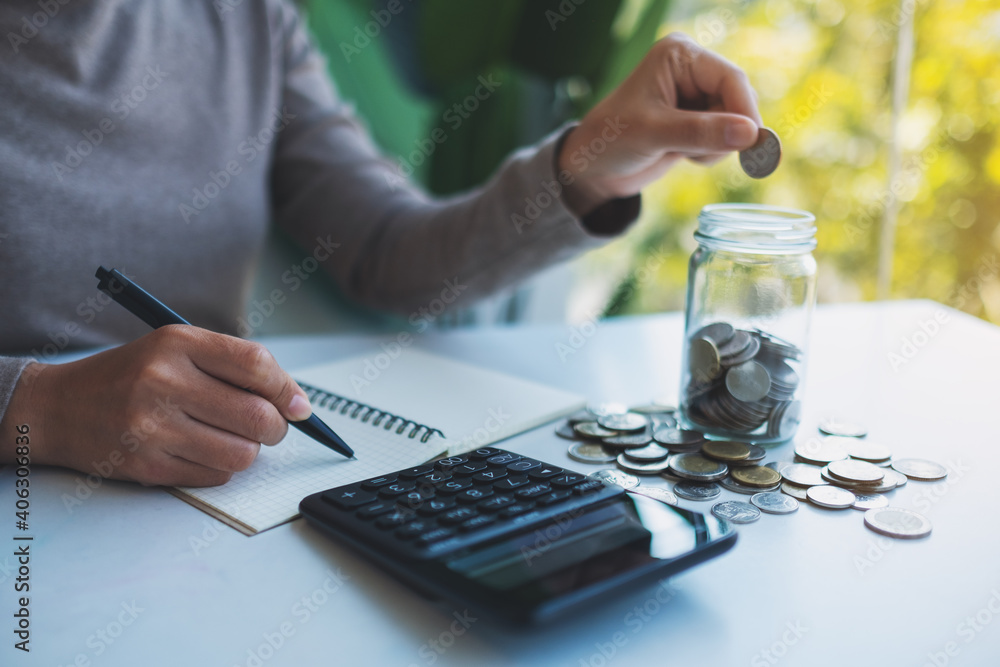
705 132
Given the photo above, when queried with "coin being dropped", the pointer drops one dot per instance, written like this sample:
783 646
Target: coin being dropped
692 491
656 493
869 501
920 469
846 429
748 382
761 159
775 503
636 468
736 511
589 452
629 421
898 522
616 477
647 454
830 497
592 430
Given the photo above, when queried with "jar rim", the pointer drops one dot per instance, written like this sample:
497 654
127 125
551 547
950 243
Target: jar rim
758 228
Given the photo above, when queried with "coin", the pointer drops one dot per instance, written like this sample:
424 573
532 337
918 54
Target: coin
725 450
775 503
628 441
616 477
820 452
598 410
692 491
648 454
761 159
719 333
756 455
898 522
677 437
654 409
920 469
703 360
566 431
801 474
748 382
795 491
589 452
869 501
637 468
628 421
780 465
580 416
592 430
866 450
830 497
736 511
856 472
847 429
899 478
697 468
756 476
657 493
733 485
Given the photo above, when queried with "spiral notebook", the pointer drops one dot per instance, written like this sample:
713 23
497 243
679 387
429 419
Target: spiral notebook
394 413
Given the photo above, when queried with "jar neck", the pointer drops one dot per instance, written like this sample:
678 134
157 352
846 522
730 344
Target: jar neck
755 228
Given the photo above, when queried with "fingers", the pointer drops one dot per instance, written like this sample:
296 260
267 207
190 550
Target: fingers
212 447
239 412
706 133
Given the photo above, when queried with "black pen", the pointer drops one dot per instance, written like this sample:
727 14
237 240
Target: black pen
146 307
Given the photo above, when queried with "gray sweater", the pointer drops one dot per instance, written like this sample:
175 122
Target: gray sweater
162 138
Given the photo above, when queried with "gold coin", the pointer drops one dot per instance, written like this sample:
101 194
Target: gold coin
755 476
725 451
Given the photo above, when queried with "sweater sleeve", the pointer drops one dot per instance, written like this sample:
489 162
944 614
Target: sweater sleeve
397 247
10 372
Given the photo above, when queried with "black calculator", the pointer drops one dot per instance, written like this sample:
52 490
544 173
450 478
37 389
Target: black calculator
513 537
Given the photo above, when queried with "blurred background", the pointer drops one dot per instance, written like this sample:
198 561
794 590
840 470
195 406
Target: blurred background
886 109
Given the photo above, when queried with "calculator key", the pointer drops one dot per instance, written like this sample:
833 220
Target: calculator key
510 483
533 491
489 475
348 498
413 473
477 522
457 515
474 495
415 498
524 465
374 483
434 478
435 535
503 459
495 504
516 508
454 486
376 509
589 486
545 472
413 529
394 519
469 468
553 498
450 462
435 506
397 489
483 453
567 479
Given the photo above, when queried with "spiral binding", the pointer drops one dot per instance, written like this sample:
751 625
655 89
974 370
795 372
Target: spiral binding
367 413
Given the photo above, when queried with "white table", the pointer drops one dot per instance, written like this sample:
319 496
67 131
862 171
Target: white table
169 586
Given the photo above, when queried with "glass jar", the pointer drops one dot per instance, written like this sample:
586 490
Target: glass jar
751 292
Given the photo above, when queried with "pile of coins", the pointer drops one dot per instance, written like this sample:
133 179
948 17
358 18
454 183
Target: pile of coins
840 470
742 381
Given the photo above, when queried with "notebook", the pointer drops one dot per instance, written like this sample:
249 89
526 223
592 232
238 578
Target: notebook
394 413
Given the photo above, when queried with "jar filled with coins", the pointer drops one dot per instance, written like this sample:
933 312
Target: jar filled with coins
751 292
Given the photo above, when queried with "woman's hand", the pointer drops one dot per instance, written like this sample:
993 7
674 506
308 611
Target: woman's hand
169 408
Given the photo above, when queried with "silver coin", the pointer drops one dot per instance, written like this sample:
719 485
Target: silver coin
820 452
566 431
778 466
592 430
616 477
748 382
628 441
654 409
757 454
920 469
580 416
637 468
830 497
598 410
795 491
656 493
703 360
697 468
672 437
866 450
775 503
736 511
737 345
589 452
761 159
733 485
899 478
692 491
856 472
628 422
719 333
898 522
648 454
847 429
869 501
802 474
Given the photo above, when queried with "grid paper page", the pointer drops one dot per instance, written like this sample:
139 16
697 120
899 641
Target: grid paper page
267 493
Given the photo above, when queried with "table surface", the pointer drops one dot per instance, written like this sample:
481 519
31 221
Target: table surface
131 575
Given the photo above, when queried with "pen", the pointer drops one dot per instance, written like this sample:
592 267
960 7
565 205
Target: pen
147 308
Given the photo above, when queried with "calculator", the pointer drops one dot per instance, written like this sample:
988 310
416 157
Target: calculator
511 537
